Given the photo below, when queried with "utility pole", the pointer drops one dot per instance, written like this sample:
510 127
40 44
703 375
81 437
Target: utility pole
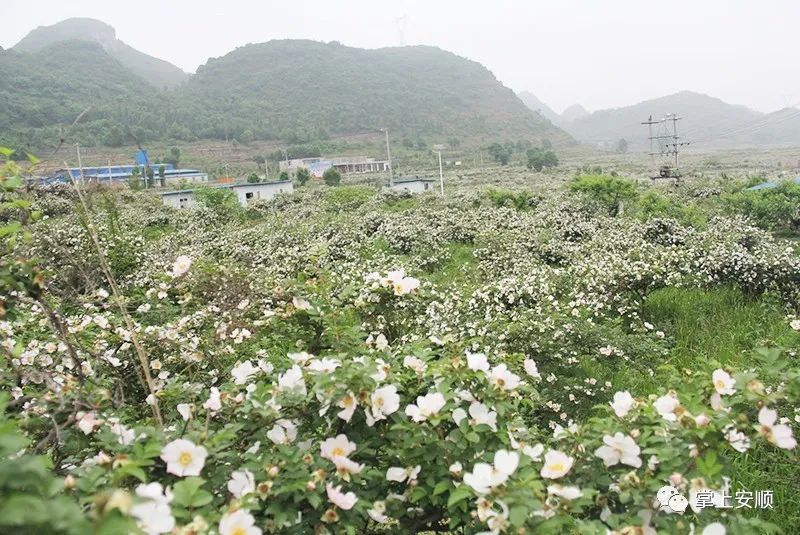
668 147
389 157
80 165
266 169
438 149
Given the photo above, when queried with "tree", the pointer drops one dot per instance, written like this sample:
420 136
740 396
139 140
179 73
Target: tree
162 171
253 178
284 175
332 176
622 146
610 192
247 137
174 156
150 174
134 181
538 159
500 153
302 176
547 144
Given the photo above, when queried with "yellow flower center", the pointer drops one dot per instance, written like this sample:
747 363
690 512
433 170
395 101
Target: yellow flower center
238 531
379 402
185 459
337 452
556 467
720 384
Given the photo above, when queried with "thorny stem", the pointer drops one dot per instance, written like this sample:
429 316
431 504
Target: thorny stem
120 303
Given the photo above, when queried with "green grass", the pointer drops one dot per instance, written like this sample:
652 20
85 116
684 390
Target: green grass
724 325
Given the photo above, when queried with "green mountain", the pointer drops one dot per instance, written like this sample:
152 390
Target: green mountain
49 88
156 71
297 89
291 90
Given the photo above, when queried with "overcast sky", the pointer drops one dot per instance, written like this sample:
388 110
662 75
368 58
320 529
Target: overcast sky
599 53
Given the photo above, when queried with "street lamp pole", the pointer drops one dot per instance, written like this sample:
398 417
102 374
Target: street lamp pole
441 176
389 157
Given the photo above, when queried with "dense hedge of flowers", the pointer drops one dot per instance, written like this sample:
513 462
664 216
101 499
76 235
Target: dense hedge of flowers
335 363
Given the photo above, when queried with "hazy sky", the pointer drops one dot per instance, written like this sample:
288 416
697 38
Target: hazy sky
599 53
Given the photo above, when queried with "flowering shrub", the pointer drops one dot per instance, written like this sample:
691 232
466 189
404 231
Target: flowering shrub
322 369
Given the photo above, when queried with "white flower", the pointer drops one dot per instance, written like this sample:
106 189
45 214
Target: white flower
619 449
477 362
345 467
340 499
241 483
534 452
214 401
568 493
155 492
181 266
240 522
300 358
623 403
87 421
301 304
323 365
384 401
381 342
502 378
486 476
666 405
780 435
795 324
481 414
427 406
185 410
406 285
243 372
723 382
738 440
456 468
348 405
183 458
377 513
556 464
401 474
715 528
531 369
337 447
283 432
292 381
125 435
153 517
415 363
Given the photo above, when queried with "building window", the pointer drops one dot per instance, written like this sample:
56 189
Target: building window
248 195
426 185
183 202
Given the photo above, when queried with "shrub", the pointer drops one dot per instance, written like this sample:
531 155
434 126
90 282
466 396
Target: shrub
332 176
609 192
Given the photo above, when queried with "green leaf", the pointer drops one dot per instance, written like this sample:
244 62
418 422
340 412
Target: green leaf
441 487
189 494
518 515
458 495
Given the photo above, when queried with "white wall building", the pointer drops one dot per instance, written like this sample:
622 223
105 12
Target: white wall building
413 185
245 193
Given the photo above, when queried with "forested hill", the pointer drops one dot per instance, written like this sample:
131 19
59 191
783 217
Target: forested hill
290 90
295 88
156 71
56 84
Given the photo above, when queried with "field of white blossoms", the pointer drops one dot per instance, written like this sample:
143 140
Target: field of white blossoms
343 361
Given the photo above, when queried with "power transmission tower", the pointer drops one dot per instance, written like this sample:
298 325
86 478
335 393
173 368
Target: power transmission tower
665 145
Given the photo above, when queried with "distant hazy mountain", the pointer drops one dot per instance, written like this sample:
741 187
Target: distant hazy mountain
533 102
574 113
156 71
703 118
